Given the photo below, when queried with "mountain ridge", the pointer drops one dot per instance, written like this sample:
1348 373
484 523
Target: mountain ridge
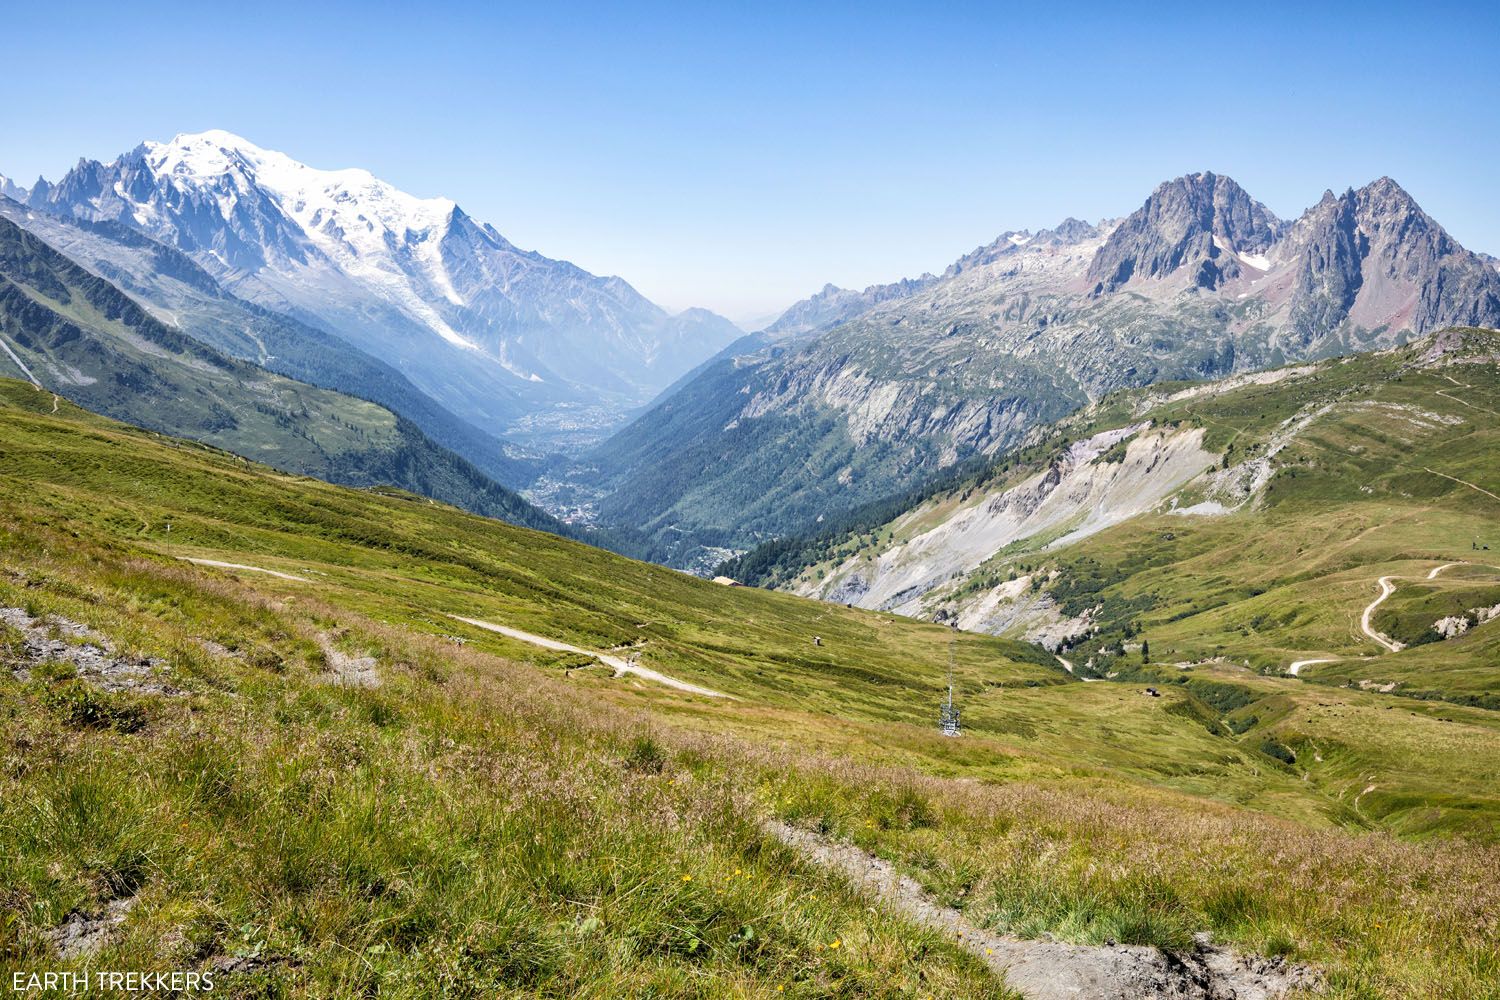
1201 281
1155 510
499 334
177 291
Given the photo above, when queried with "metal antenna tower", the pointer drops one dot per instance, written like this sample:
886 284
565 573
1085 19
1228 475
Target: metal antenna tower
947 714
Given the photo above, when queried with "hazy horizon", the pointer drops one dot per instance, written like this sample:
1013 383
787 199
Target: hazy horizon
740 161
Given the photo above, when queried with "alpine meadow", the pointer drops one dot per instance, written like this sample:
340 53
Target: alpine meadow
1107 612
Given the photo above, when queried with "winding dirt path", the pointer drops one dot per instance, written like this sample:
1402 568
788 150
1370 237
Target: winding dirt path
1462 402
619 664
247 569
1052 970
1296 668
1387 588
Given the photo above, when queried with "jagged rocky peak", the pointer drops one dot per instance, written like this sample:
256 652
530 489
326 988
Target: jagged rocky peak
1203 225
1068 232
1372 257
832 305
10 189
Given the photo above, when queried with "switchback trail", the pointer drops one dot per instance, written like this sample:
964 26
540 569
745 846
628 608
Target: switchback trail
619 664
1053 970
1387 588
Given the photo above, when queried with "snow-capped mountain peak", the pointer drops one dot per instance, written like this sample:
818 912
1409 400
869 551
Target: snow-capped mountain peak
367 227
416 281
303 190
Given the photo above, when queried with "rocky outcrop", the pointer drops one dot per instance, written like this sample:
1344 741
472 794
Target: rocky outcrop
1373 258
1198 224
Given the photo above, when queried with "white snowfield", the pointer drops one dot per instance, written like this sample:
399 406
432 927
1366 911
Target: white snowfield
619 664
370 229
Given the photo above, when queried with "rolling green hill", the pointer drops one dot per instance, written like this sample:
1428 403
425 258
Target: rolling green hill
310 763
87 341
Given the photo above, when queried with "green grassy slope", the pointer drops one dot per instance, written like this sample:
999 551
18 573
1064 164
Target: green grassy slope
87 341
501 819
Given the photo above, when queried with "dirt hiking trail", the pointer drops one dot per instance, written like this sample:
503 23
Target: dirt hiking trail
243 568
1052 970
619 664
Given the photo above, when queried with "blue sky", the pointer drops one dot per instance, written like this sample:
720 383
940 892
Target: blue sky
738 156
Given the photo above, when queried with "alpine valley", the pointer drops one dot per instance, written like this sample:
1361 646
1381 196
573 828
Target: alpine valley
1113 616
514 343
851 397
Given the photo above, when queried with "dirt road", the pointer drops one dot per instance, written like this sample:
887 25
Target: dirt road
1296 668
1387 588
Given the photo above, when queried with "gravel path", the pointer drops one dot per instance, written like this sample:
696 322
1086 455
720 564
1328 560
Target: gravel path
1296 668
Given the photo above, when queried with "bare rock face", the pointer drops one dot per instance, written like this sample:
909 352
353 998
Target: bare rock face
1200 222
1373 257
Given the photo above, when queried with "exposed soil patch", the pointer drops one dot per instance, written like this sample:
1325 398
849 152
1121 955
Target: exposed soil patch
1052 970
350 671
230 965
91 655
86 933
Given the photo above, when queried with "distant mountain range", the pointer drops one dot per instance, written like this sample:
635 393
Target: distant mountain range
853 396
177 292
515 343
73 333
